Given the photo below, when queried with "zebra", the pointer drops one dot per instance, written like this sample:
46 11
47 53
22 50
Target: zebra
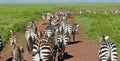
12 39
72 29
107 50
31 33
18 53
60 44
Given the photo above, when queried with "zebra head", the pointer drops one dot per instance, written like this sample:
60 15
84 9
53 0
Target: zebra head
48 31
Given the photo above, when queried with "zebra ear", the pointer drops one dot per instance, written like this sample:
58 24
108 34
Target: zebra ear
77 25
106 37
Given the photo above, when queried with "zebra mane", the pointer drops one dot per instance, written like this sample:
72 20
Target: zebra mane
103 39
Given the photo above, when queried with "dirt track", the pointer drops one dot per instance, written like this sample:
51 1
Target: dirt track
81 50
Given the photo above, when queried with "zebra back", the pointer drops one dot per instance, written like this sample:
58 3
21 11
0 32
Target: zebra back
46 50
107 50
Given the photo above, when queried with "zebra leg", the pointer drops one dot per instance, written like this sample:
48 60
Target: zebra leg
73 37
59 55
62 54
54 55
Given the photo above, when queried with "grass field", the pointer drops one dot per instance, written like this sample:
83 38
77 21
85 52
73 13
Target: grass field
17 16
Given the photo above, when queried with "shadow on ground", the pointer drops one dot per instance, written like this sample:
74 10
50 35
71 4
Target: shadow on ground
74 42
9 59
67 56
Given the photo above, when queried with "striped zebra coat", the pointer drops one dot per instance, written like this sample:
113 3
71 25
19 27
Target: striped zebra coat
107 50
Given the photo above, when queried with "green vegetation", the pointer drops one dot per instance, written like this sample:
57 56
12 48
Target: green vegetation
99 24
17 16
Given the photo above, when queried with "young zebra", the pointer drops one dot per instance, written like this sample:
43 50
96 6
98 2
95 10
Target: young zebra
13 39
107 50
72 29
